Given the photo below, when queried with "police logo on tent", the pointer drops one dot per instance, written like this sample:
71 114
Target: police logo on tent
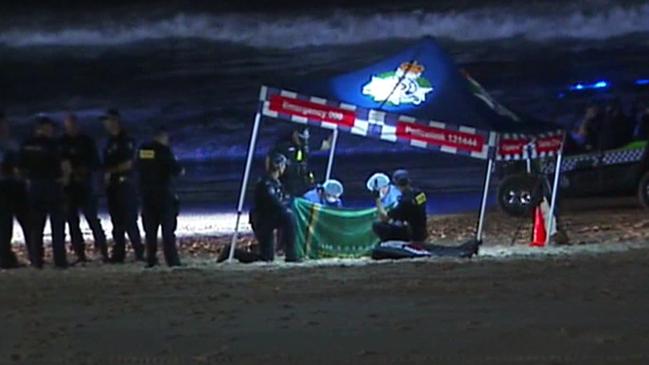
403 86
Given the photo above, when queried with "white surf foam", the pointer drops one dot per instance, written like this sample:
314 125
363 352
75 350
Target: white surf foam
343 28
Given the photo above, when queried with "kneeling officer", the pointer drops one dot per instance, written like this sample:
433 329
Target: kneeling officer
158 167
407 220
271 212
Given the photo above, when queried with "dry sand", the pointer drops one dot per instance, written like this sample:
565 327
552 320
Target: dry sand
582 304
577 309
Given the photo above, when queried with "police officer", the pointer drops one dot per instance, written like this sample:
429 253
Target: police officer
270 212
45 171
297 179
13 197
81 152
327 194
407 220
157 167
120 188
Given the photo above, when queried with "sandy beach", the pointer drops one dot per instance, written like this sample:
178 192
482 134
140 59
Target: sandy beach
579 304
570 308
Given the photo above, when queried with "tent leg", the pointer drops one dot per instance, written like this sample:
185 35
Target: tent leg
244 183
555 189
483 203
332 152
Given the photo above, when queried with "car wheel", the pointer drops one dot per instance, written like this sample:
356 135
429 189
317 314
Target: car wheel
643 190
518 194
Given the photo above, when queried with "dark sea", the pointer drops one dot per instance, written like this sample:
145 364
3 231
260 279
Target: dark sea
196 67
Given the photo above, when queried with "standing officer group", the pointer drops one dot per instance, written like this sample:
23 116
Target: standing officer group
54 178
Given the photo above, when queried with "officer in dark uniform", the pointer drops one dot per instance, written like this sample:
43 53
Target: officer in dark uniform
120 188
45 171
13 197
297 179
157 167
270 212
407 220
80 151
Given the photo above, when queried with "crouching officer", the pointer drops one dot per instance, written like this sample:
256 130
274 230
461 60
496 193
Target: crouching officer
407 220
271 212
44 169
157 167
120 189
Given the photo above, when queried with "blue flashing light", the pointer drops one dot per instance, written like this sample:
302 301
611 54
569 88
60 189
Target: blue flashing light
642 82
595 85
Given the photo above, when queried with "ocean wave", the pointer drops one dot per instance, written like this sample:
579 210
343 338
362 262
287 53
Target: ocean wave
345 28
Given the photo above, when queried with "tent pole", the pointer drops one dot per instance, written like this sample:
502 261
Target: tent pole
483 204
244 183
332 152
555 189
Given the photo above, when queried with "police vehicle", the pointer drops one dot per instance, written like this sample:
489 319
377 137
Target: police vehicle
622 171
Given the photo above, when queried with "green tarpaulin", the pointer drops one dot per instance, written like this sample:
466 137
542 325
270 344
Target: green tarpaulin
328 232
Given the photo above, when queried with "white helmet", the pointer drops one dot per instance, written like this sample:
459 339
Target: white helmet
377 181
333 189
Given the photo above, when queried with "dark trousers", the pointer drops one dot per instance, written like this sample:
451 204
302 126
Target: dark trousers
46 198
80 198
7 255
122 207
264 226
391 232
13 205
160 210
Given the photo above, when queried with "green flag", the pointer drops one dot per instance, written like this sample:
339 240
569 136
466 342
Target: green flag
324 232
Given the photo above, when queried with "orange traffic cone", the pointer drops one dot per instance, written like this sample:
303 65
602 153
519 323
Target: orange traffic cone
538 232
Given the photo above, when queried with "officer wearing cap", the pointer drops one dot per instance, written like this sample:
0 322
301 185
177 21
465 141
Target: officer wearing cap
327 194
407 220
270 212
297 179
45 171
157 167
81 151
13 197
120 188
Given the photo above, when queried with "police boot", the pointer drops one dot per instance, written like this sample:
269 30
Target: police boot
81 258
151 263
9 262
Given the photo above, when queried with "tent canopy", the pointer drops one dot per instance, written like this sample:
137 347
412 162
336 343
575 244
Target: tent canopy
444 108
433 88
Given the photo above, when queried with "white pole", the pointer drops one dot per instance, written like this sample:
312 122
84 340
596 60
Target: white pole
555 189
483 204
332 152
244 183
